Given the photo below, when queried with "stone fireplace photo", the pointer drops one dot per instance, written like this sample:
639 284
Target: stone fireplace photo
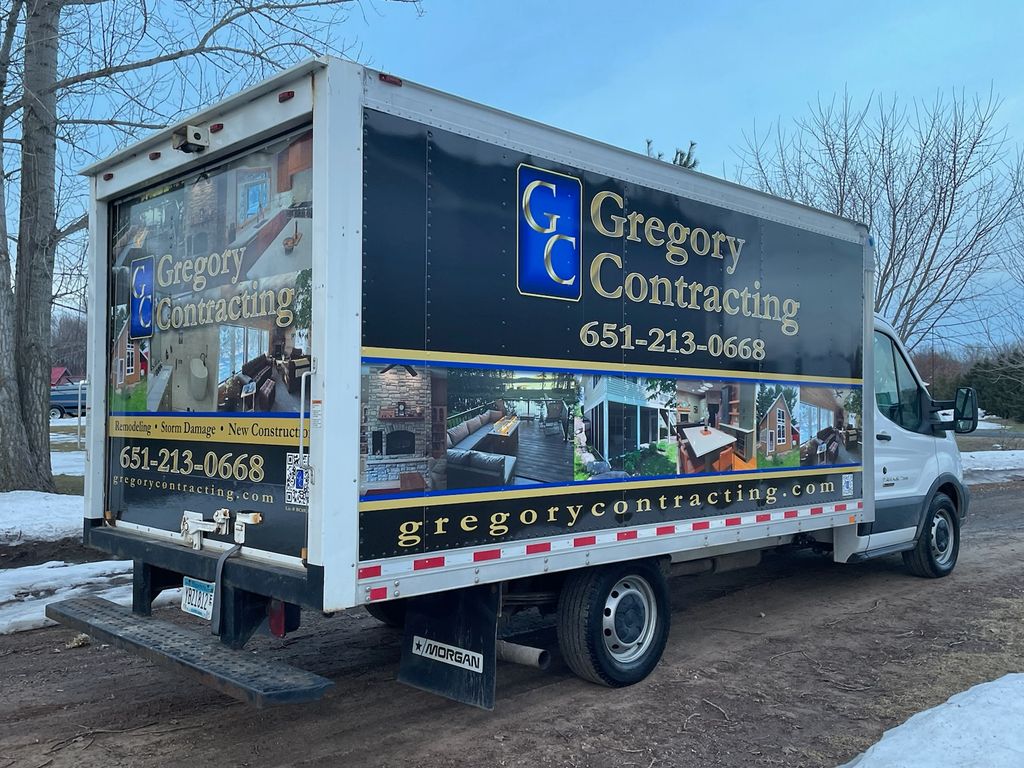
397 445
399 442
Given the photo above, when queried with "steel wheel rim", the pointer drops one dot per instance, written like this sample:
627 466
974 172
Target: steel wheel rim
629 620
943 537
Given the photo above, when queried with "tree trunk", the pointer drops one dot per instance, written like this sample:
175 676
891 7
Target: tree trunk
37 238
13 464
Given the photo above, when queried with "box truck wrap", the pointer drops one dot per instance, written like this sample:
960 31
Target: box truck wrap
358 342
551 351
209 328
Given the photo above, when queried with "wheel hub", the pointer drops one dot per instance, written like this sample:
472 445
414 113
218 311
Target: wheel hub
630 618
942 535
943 538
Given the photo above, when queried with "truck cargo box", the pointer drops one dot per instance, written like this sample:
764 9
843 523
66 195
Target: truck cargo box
367 341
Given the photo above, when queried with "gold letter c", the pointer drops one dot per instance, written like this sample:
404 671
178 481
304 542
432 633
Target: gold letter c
547 258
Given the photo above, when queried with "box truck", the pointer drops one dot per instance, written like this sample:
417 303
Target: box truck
360 343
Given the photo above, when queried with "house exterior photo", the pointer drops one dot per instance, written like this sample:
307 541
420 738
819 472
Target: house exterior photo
129 361
621 414
775 433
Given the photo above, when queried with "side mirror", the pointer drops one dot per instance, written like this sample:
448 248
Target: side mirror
965 411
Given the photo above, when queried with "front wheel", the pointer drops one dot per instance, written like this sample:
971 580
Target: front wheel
938 546
613 622
56 412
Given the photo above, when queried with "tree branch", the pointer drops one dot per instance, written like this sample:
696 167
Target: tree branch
112 123
82 222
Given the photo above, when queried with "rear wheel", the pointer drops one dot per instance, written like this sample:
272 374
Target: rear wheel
391 612
613 622
938 546
56 412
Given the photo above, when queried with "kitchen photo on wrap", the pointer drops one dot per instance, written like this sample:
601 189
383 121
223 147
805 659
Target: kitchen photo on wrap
499 370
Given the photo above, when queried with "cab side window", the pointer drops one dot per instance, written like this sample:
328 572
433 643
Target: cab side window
896 390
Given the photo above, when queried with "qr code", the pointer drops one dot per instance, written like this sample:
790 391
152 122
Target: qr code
296 482
847 485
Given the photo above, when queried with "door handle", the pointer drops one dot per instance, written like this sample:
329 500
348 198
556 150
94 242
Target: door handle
883 436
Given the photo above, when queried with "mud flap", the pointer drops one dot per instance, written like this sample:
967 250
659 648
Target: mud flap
449 646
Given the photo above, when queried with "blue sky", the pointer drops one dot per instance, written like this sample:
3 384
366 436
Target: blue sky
674 71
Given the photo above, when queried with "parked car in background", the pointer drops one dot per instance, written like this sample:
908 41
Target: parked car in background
64 399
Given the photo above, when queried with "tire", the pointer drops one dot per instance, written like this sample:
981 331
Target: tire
613 622
56 412
391 612
938 546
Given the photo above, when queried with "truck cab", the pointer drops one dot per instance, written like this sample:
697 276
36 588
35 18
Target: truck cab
921 500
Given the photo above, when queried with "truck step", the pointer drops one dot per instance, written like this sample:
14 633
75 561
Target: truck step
236 673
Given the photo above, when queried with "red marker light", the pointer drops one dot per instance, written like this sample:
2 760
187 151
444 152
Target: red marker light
284 96
154 155
216 127
108 176
390 79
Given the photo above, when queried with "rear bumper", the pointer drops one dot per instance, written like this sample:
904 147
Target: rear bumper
253 679
302 587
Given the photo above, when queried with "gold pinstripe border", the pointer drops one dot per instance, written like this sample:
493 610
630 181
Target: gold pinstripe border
420 355
585 487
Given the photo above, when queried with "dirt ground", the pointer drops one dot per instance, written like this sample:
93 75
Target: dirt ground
797 663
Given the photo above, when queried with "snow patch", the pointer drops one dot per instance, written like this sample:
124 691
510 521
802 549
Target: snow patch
67 421
973 460
68 462
25 592
947 415
34 516
979 728
989 425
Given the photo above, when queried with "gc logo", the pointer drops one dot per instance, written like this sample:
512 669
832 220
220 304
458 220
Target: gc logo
549 259
140 303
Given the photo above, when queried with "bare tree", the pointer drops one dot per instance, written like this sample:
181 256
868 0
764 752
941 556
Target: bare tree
77 79
68 342
684 159
939 186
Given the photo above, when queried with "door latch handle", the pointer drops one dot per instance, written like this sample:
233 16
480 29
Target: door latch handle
883 436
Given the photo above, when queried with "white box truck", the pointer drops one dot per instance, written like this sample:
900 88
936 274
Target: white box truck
360 343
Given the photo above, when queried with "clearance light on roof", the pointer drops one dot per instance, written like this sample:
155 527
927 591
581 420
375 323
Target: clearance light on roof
284 96
154 155
216 127
390 79
108 176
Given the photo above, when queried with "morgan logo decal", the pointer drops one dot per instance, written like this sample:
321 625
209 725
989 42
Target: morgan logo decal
448 654
549 262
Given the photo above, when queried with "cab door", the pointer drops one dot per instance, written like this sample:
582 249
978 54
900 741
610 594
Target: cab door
904 450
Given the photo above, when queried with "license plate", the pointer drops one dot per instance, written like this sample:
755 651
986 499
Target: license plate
197 598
